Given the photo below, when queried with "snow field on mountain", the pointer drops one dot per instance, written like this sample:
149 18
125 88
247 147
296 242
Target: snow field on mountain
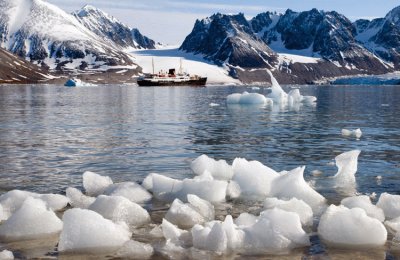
168 58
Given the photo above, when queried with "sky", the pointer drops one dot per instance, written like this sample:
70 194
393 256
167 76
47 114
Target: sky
170 21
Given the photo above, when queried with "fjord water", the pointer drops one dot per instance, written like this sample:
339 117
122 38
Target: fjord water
50 135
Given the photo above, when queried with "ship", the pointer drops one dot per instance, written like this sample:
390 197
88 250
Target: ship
171 78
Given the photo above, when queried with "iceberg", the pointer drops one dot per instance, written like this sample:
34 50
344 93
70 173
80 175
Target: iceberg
75 82
352 133
87 232
31 221
343 227
247 98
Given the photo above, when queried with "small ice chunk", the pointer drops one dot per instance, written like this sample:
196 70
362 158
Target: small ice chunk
353 133
294 205
246 220
95 184
173 234
135 250
233 190
31 221
275 231
148 182
78 199
214 105
316 173
292 185
217 240
347 168
117 208
165 188
55 202
278 95
200 235
212 191
393 225
253 177
183 215
6 255
340 226
130 190
86 231
364 202
220 169
205 208
390 205
235 236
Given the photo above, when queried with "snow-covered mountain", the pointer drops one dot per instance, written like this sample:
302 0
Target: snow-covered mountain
229 40
46 35
300 46
382 36
14 69
111 29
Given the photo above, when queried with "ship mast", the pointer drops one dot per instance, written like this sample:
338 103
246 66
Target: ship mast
180 66
152 64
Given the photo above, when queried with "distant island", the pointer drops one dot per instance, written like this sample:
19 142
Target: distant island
49 45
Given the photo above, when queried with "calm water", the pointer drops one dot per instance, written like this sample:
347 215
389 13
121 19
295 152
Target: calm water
50 135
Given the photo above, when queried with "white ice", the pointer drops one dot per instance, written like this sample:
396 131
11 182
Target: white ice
276 230
175 235
78 199
86 231
390 205
31 221
183 215
246 220
393 225
95 184
6 255
293 205
354 133
130 190
210 190
135 250
220 169
347 167
253 178
343 227
119 209
364 202
292 185
248 99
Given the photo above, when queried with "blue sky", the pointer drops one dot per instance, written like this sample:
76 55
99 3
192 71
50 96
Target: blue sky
169 21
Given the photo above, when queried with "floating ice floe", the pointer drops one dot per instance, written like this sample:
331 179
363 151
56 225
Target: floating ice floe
86 231
247 98
347 167
353 133
74 82
12 201
390 204
220 170
294 205
364 202
119 209
31 221
95 184
214 105
340 226
6 255
253 178
292 185
78 199
130 190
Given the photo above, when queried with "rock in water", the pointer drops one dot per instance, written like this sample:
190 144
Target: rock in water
87 232
32 221
118 209
340 226
95 184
